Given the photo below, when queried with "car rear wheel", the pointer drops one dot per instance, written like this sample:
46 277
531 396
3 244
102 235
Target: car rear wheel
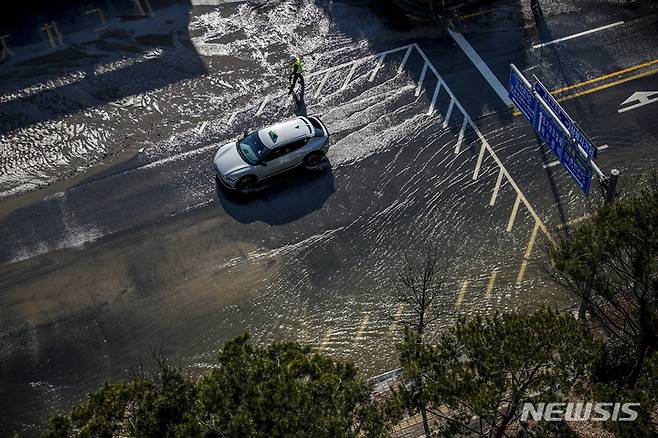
313 159
246 183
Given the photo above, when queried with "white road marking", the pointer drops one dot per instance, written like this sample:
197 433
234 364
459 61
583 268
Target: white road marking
460 138
576 35
379 65
476 172
349 76
446 119
643 97
434 96
512 217
556 162
230 119
422 78
262 106
345 64
496 188
324 81
202 127
404 60
481 66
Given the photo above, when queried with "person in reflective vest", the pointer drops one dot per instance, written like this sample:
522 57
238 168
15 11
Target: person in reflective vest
296 73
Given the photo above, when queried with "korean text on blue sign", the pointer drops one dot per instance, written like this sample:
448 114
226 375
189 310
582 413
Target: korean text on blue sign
576 133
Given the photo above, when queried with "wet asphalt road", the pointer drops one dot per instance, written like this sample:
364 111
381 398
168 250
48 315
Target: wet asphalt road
146 252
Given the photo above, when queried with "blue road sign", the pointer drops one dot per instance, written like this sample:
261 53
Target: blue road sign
579 167
547 128
578 135
550 132
522 97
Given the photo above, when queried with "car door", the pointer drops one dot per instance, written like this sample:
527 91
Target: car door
284 157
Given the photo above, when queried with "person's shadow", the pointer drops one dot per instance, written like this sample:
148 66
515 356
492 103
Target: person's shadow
300 104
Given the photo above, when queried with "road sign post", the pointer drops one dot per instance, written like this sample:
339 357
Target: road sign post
567 141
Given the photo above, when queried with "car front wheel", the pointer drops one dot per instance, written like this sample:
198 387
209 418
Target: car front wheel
246 183
313 159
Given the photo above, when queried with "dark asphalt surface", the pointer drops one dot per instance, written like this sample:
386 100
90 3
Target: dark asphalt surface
144 252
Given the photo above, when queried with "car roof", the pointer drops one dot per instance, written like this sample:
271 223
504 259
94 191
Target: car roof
285 132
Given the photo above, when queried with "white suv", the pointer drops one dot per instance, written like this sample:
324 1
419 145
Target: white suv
270 151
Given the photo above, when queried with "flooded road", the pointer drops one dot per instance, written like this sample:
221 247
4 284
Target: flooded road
143 251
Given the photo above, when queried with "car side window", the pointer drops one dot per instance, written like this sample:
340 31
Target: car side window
296 145
283 150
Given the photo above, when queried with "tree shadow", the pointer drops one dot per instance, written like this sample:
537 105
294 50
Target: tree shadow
147 44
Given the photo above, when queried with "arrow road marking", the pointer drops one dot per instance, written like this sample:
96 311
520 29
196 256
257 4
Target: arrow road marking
642 97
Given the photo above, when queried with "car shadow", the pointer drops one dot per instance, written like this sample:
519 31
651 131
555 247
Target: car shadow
281 199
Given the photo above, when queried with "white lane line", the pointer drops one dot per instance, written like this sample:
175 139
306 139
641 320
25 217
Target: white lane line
460 139
404 60
379 65
349 76
202 127
420 81
496 188
556 162
476 172
448 114
262 106
324 81
434 96
576 35
481 66
230 119
512 217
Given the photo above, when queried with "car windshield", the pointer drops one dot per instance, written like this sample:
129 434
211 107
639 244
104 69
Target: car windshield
252 149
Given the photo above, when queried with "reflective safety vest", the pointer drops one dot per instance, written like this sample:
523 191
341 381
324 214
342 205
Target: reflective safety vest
297 65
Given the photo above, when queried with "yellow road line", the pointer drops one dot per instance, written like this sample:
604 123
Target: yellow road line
611 84
600 78
462 293
475 14
528 253
574 221
325 341
362 327
490 285
604 86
